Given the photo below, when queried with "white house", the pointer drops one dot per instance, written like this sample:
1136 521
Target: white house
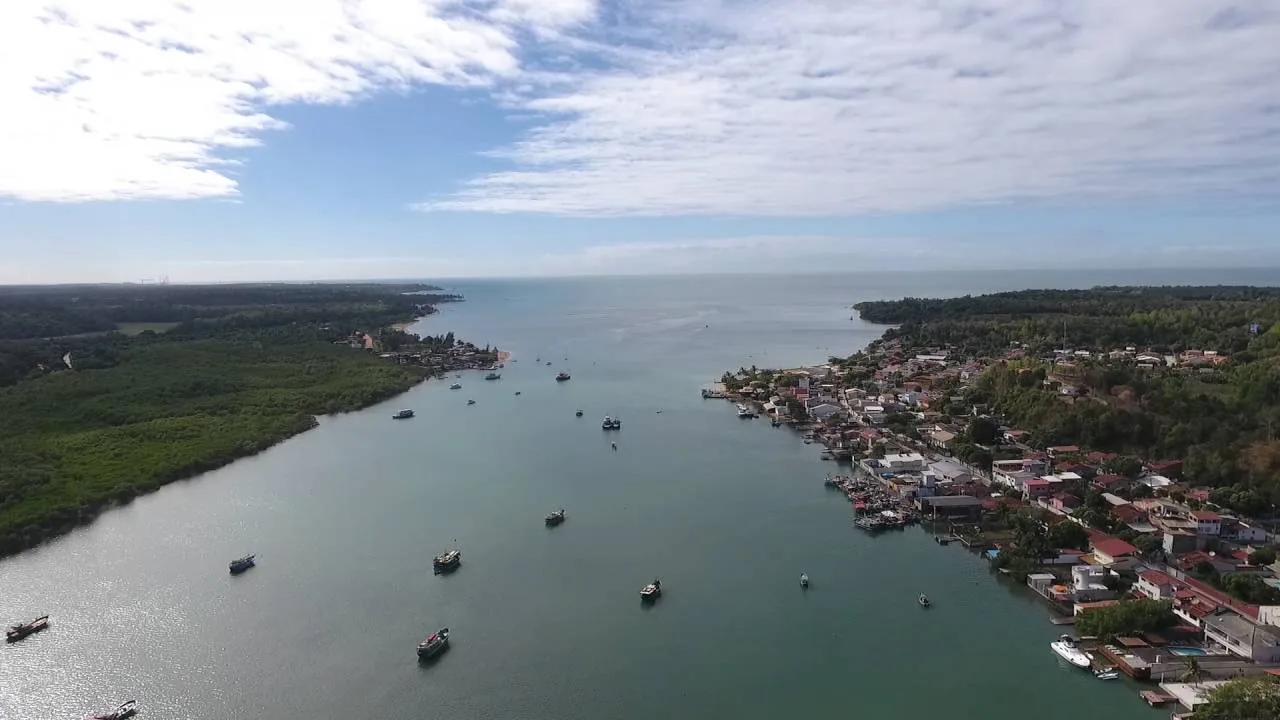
1156 585
1243 637
905 462
1088 583
1208 523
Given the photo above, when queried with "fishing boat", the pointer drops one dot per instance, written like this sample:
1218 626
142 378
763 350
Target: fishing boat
456 386
561 377
447 561
745 412
16 632
578 414
434 644
804 580
403 414
239 565
1107 673
1067 649
555 518
923 600
548 363
517 392
775 422
652 591
611 423
471 402
493 376
126 710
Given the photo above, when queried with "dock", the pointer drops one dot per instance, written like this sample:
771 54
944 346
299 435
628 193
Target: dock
1156 698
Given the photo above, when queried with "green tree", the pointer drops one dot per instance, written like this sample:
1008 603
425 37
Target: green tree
1125 618
1068 534
1252 698
1262 556
1148 545
982 431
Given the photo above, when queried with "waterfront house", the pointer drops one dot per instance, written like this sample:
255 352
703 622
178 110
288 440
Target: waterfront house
1089 584
905 462
1112 552
949 472
1243 637
950 506
824 411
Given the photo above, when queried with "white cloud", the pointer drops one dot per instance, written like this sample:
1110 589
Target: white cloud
836 107
128 99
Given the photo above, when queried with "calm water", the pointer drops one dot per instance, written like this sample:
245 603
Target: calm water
547 623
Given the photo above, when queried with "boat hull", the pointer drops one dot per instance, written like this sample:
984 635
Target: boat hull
1072 655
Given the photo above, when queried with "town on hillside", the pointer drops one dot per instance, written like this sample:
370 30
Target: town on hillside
1168 578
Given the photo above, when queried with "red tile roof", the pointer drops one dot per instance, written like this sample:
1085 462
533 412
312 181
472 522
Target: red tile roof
1112 546
1065 449
1155 577
1207 515
1036 482
1106 481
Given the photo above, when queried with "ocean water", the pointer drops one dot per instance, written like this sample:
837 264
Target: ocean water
547 623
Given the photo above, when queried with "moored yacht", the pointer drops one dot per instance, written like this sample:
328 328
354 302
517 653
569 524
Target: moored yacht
555 518
126 710
239 565
611 423
471 402
493 376
652 591
14 633
434 644
456 386
403 414
447 561
1067 649
562 376
745 412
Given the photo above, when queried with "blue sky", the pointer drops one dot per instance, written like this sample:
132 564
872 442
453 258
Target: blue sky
237 140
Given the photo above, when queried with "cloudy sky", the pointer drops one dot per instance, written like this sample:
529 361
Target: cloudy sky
291 139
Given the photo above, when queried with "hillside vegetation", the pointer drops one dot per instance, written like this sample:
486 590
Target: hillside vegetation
1222 419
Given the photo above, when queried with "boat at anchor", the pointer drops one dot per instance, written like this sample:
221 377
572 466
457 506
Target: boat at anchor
14 633
447 561
434 644
555 518
126 710
652 591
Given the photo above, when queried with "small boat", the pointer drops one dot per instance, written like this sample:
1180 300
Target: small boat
775 422
17 632
555 518
652 591
578 414
1108 673
548 363
126 710
403 414
923 600
241 564
493 376
517 392
561 377
804 580
614 445
745 412
471 402
447 561
456 386
435 643
1067 649
610 423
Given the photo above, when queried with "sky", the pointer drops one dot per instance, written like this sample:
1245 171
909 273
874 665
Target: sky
223 140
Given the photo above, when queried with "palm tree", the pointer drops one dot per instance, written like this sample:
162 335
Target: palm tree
1192 672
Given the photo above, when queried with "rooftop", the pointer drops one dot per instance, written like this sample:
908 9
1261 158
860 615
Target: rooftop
1112 546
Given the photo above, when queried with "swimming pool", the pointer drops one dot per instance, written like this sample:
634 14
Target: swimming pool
1187 651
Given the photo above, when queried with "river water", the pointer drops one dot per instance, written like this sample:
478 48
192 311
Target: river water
547 623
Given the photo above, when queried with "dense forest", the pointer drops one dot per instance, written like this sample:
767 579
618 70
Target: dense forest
1221 420
220 372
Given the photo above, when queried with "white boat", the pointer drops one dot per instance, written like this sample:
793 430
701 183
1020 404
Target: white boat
1068 650
1107 674
804 580
456 386
652 591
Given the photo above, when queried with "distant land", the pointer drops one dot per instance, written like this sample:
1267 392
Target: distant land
109 391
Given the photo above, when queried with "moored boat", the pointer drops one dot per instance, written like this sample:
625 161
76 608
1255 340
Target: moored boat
447 561
16 632
239 565
1107 673
561 377
1067 649
126 710
403 414
493 376
555 518
434 644
652 591
578 414
611 423
745 412
923 600
456 386
471 402
804 580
